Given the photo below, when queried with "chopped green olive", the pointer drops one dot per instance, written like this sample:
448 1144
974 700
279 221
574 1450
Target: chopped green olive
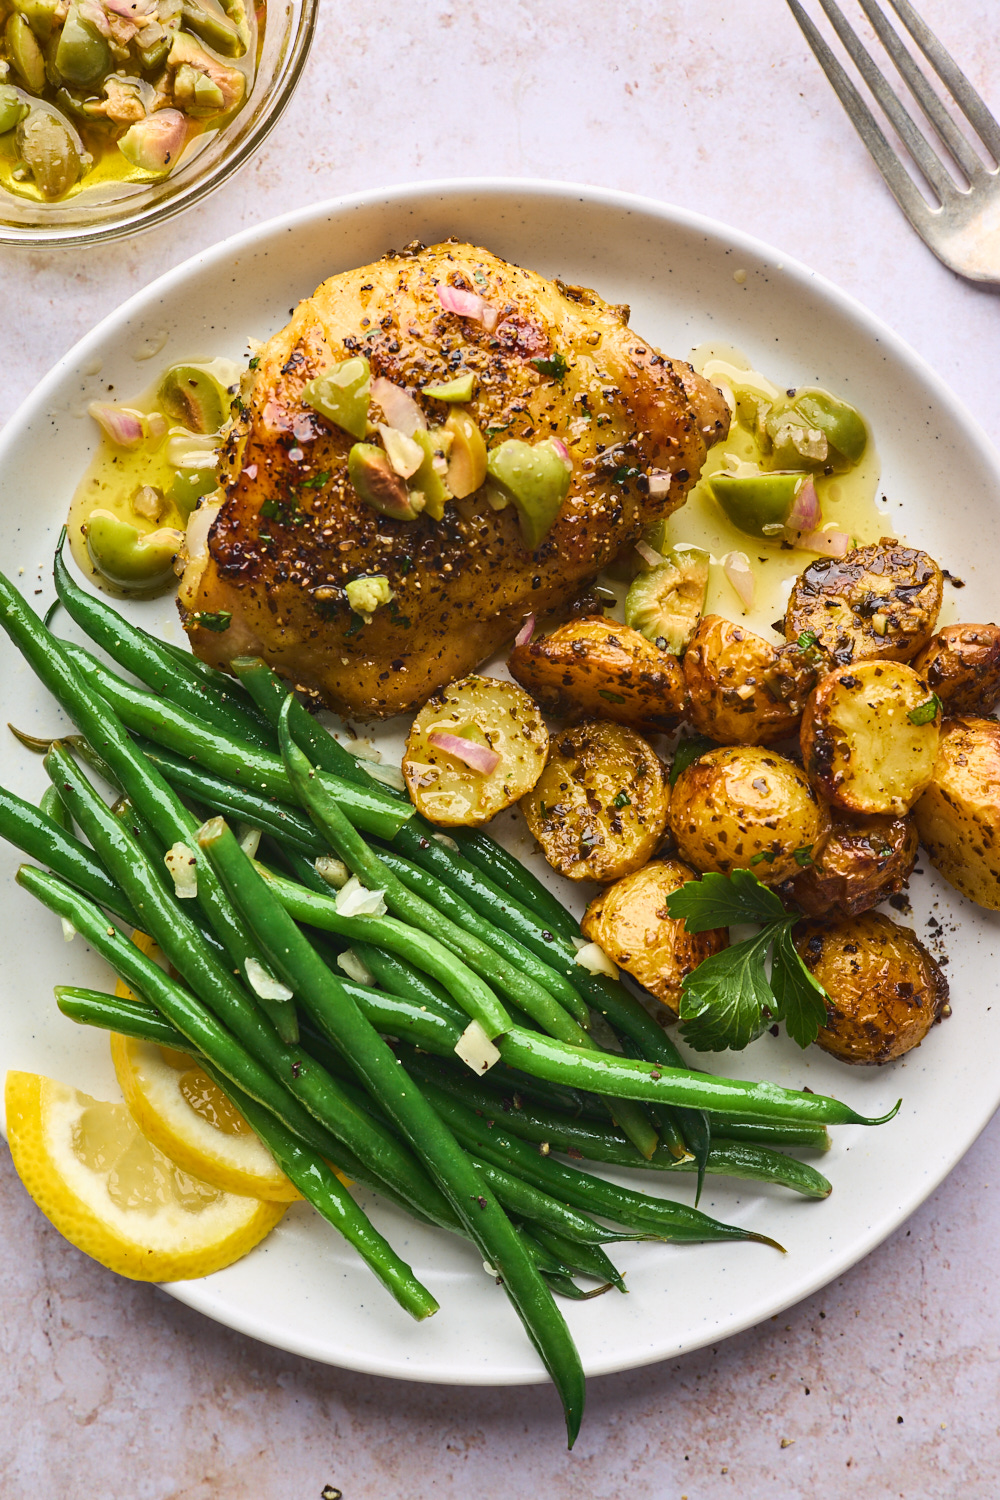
666 603
466 456
461 389
536 478
50 150
364 595
191 396
843 426
12 108
132 561
378 485
25 53
343 395
40 16
757 504
218 31
82 54
188 487
427 480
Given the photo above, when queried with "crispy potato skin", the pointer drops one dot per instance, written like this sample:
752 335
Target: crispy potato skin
962 665
878 601
599 809
462 585
595 667
499 715
885 990
744 691
861 862
631 922
958 816
744 807
859 744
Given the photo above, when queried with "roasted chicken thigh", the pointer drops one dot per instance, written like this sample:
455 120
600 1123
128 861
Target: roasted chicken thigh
548 361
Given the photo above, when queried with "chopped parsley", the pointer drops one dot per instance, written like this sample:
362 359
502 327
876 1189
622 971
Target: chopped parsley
555 366
926 713
217 620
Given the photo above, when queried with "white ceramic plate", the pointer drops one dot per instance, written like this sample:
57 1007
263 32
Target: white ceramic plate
301 1290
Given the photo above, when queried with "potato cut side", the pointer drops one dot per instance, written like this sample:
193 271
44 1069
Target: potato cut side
599 808
491 719
870 737
878 601
958 816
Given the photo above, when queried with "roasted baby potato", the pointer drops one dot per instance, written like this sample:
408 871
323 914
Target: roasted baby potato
489 720
744 691
631 922
599 808
869 737
746 808
962 665
958 817
885 990
596 667
861 862
882 600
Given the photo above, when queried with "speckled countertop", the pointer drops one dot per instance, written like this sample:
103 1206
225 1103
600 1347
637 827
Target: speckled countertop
885 1383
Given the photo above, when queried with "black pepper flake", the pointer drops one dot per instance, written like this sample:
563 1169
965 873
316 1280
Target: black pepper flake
296 1068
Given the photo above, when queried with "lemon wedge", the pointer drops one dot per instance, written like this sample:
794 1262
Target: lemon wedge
115 1196
178 1107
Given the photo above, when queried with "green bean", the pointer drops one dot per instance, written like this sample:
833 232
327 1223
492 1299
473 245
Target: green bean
181 732
51 804
203 673
803 1133
405 1106
31 830
583 1260
528 1202
494 861
143 656
269 692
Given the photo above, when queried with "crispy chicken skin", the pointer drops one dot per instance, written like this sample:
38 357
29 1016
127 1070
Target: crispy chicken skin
292 532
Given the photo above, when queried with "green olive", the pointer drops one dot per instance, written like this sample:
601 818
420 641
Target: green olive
82 55
194 398
843 426
188 487
342 395
218 31
377 483
49 149
536 478
758 504
466 456
25 53
461 389
40 16
427 481
12 108
666 603
129 559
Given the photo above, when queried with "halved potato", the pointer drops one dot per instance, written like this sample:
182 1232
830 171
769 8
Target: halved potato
491 716
599 668
878 601
599 808
962 665
870 736
885 990
746 808
861 862
631 922
958 816
744 691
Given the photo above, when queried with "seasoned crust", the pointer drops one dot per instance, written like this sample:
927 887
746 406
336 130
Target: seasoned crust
861 862
744 691
881 600
962 665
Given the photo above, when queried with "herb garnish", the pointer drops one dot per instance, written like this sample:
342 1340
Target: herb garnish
556 366
217 620
926 713
728 1000
687 751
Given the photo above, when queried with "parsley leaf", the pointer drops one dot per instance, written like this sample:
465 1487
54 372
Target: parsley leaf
556 366
724 999
801 999
688 751
926 713
724 901
217 620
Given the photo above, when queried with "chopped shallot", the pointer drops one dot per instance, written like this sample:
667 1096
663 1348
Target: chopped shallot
475 1049
827 543
593 958
264 984
404 454
526 631
354 967
477 757
401 411
387 775
805 514
122 426
659 483
355 900
736 566
183 866
468 305
649 555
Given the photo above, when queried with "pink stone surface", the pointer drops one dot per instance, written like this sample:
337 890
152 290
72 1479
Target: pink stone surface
884 1384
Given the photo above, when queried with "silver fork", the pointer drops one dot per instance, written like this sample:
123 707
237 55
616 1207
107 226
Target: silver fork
962 226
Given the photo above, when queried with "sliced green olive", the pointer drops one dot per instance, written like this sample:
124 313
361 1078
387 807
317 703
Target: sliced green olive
461 389
25 53
131 560
49 149
82 54
377 483
427 480
843 426
467 456
759 503
194 398
185 50
188 487
218 31
12 108
196 94
536 478
666 603
40 16
342 395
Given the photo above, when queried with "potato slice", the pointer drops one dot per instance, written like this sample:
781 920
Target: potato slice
746 808
744 691
958 816
864 860
599 808
962 665
631 922
496 716
885 990
870 736
878 601
596 667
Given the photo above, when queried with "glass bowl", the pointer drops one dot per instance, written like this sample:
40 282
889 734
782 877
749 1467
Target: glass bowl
129 207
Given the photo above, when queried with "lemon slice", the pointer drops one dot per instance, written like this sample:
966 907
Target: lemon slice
115 1196
178 1107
